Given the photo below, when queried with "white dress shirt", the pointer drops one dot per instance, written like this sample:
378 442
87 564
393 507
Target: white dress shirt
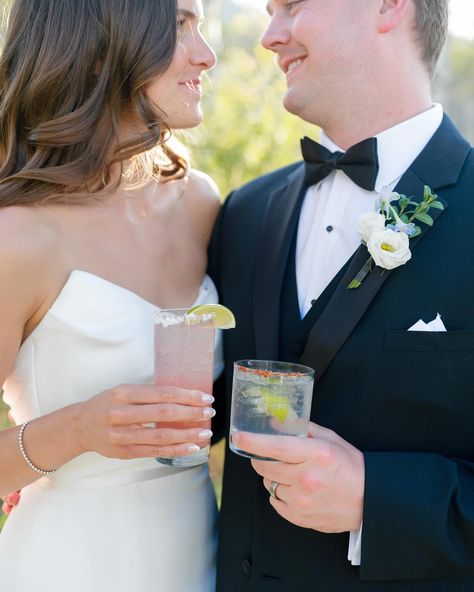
327 230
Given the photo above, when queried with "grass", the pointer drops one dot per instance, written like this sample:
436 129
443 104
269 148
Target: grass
4 423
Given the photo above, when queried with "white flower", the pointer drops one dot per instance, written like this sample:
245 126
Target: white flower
386 199
389 249
370 223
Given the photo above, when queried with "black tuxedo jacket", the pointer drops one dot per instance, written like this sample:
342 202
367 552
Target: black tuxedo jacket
406 399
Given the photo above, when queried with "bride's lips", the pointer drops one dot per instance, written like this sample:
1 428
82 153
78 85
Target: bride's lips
193 84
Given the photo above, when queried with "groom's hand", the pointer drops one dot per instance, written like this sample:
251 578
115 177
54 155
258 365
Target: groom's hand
320 478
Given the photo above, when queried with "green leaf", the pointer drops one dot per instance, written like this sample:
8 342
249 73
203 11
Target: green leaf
354 284
422 217
417 232
427 193
404 202
437 204
404 218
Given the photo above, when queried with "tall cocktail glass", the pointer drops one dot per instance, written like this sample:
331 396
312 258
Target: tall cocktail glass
272 398
184 357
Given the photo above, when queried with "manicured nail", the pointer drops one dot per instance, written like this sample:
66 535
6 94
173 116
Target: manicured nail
207 399
235 438
205 434
192 448
208 412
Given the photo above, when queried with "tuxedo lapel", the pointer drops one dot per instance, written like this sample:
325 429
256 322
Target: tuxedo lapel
279 225
434 167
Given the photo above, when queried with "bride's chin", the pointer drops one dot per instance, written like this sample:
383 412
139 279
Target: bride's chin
188 122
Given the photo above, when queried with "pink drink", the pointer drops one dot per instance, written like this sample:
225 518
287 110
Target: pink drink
184 357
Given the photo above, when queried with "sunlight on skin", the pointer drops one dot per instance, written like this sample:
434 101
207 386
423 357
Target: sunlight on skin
461 11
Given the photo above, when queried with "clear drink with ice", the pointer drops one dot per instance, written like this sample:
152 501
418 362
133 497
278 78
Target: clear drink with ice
272 398
184 357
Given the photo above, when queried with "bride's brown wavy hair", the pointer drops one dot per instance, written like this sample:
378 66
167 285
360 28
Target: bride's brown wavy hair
70 71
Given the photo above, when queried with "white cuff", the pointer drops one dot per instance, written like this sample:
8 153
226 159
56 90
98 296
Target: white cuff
355 546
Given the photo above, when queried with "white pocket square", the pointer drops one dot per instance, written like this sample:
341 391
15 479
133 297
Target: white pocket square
434 325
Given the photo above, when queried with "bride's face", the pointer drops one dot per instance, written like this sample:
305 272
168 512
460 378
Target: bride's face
178 91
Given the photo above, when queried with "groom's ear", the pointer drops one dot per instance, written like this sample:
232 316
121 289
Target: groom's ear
392 13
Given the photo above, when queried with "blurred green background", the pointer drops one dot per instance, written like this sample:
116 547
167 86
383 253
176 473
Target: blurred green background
246 131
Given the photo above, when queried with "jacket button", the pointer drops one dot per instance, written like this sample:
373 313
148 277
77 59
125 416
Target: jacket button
296 348
247 567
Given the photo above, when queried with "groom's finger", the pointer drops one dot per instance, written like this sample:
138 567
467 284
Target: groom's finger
282 472
280 492
288 449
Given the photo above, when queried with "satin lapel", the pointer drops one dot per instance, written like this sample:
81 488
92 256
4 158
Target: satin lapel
279 225
346 307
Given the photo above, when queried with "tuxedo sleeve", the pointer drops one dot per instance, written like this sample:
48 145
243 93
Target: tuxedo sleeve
213 267
418 517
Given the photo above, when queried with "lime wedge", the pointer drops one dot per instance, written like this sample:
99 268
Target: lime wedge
272 404
223 317
277 406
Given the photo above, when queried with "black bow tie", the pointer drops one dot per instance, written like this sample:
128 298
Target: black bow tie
360 162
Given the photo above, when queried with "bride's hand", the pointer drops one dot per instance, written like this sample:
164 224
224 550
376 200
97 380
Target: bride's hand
114 423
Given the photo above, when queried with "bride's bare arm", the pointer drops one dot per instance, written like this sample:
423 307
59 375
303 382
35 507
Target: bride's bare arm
110 423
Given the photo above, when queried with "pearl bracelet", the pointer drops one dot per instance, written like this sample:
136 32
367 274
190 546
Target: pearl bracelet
26 457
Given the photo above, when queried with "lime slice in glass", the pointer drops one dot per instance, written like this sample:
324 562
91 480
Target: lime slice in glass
278 406
271 403
222 316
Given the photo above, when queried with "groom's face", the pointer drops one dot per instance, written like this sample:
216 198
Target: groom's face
322 46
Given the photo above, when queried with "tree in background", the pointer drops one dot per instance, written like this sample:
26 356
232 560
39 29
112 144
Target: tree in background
454 84
246 131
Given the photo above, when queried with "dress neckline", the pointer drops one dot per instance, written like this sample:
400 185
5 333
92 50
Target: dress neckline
77 273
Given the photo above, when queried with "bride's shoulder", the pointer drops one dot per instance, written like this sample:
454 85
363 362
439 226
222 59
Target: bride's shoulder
27 243
203 199
26 229
202 190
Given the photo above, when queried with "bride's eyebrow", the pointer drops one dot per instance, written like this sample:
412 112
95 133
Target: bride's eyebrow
189 14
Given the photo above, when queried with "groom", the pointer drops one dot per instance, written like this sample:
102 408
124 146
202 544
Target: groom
381 496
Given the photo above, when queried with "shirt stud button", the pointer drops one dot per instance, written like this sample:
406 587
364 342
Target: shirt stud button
247 567
329 228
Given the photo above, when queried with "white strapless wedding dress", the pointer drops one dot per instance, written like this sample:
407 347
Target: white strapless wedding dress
100 524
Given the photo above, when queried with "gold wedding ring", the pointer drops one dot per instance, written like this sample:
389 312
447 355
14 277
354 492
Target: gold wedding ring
273 488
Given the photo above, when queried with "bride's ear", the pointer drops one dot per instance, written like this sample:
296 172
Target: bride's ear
391 14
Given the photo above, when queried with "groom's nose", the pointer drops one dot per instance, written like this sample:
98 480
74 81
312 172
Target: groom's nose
276 34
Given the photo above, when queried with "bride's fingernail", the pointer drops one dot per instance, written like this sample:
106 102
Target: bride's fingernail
205 434
192 448
207 399
208 412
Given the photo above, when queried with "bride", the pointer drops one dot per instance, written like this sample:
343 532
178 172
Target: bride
101 223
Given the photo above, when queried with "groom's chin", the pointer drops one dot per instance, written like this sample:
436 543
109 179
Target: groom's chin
298 106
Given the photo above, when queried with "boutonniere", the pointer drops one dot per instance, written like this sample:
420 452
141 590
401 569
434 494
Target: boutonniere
387 232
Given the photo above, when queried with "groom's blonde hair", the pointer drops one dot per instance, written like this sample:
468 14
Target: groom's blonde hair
431 28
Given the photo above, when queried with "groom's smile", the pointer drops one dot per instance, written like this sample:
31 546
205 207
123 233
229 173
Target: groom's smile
288 65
